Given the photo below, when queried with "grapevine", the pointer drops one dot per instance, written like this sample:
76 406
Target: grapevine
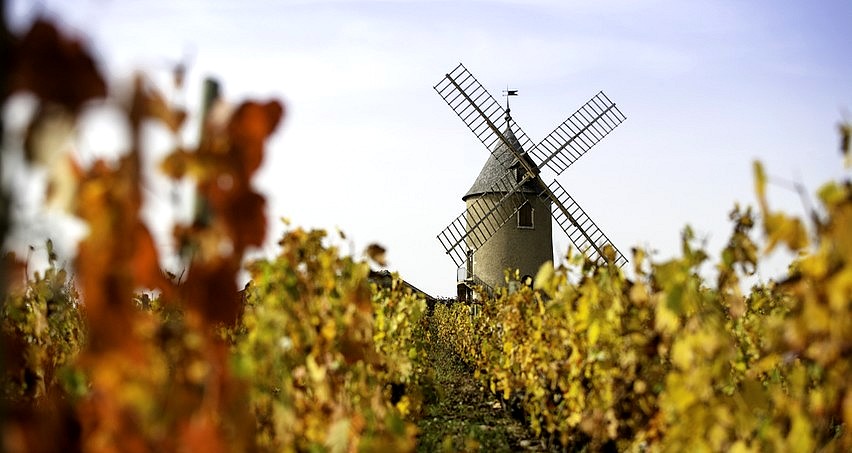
319 353
670 362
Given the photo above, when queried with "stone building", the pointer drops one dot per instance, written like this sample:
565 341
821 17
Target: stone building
524 242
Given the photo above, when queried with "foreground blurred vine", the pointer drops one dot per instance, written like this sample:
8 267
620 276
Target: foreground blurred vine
309 356
324 351
319 353
672 362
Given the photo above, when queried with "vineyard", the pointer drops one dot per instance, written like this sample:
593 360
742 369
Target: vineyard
315 353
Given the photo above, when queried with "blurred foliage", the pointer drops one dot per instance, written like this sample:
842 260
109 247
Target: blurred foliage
318 353
672 362
309 356
330 361
43 331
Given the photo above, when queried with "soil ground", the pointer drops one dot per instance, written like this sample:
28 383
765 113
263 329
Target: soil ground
459 415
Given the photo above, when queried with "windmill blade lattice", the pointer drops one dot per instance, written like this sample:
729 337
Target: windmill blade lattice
481 113
584 234
579 133
482 219
562 147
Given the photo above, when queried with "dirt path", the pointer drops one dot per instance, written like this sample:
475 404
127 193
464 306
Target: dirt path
459 416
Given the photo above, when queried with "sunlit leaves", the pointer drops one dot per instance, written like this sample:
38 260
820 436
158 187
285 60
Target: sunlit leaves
325 354
759 183
545 279
672 362
42 332
777 226
783 229
322 350
156 380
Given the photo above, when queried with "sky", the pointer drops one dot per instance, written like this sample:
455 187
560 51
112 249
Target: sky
368 147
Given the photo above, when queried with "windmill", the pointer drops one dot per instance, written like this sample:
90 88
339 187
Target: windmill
481 241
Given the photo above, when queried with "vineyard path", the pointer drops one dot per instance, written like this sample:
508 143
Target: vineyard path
459 415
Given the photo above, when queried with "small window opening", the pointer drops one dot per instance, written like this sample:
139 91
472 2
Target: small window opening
525 216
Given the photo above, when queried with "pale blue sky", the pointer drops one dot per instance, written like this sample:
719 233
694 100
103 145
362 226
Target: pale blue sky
369 147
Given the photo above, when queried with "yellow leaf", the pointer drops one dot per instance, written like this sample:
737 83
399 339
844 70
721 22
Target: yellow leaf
847 408
315 371
818 316
544 279
666 320
678 396
814 266
329 330
639 293
787 230
337 439
754 394
594 332
839 289
800 439
682 355
831 194
717 436
767 363
760 184
740 447
403 405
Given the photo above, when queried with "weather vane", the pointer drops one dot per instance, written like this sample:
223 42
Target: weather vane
506 93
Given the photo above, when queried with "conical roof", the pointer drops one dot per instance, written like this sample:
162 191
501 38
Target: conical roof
501 161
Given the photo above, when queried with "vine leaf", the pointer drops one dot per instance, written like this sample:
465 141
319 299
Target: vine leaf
55 68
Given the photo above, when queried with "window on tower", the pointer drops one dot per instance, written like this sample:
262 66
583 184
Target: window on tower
525 216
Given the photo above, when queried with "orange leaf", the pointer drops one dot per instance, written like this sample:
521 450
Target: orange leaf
248 220
158 108
146 263
211 290
249 127
376 253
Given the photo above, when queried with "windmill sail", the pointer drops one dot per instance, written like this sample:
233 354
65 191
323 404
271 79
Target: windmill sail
479 111
482 218
581 131
511 148
586 236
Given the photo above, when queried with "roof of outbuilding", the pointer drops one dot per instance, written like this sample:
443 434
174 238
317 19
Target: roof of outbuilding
498 164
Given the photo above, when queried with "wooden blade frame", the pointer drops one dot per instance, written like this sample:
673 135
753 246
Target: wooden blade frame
583 232
463 234
569 141
480 112
579 133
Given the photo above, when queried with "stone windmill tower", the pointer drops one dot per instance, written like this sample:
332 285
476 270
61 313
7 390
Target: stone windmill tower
524 242
510 209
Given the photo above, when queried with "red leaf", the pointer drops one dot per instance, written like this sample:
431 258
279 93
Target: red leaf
55 68
248 221
146 262
249 127
15 271
211 289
